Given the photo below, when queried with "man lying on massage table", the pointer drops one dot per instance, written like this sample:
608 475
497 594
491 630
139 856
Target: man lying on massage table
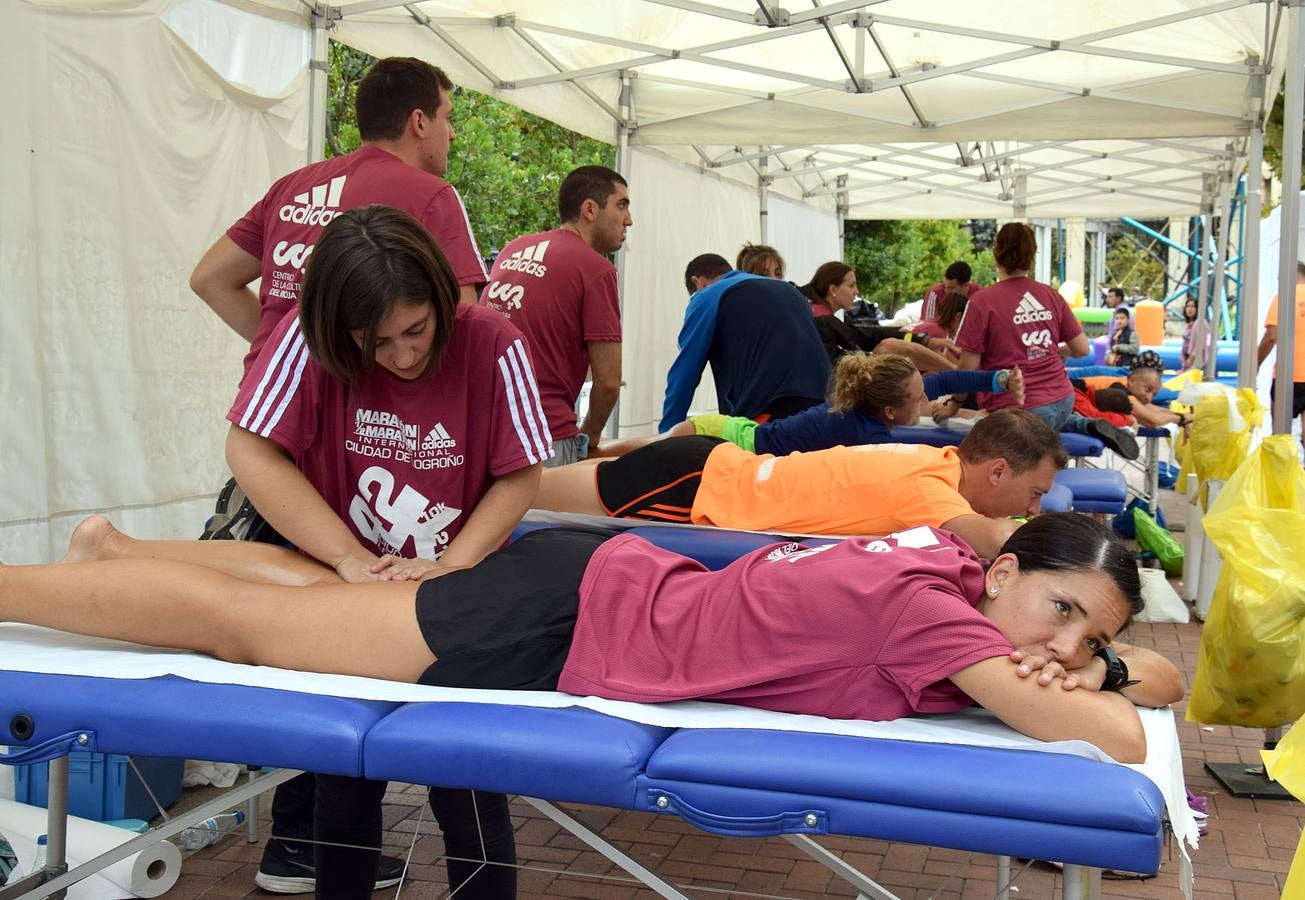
1002 468
865 628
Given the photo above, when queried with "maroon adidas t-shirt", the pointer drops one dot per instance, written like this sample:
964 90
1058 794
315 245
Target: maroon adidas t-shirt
281 228
1020 322
561 293
403 463
868 628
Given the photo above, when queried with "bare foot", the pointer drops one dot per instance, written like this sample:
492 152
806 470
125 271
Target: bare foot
91 540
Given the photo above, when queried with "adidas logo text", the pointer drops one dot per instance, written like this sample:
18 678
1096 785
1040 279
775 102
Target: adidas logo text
1030 311
319 205
529 261
438 438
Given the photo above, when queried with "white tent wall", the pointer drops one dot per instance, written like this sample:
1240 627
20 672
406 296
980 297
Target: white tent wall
679 212
124 156
804 235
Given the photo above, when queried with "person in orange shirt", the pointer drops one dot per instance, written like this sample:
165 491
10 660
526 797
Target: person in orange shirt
1270 340
1002 468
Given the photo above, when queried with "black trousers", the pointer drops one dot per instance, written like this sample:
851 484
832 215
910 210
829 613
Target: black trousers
333 809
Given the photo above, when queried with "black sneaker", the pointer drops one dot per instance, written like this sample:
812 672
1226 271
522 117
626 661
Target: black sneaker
1116 439
287 868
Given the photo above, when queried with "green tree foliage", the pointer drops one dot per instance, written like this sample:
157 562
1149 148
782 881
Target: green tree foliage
897 260
1273 141
506 163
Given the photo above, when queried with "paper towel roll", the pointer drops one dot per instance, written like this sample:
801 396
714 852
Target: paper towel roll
149 873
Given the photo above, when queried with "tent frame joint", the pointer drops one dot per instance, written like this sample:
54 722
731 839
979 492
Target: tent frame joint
771 16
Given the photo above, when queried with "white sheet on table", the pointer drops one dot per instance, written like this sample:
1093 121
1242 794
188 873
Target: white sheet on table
26 648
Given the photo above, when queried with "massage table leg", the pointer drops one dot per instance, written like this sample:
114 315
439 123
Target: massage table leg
172 827
1081 883
647 876
839 867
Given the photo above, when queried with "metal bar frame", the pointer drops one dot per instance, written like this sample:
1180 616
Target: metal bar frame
1289 237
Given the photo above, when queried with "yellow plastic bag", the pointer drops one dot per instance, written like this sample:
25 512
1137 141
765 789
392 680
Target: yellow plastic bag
1285 764
1221 433
1251 669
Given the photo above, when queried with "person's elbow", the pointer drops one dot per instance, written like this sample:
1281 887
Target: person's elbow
202 280
1127 744
607 385
1163 688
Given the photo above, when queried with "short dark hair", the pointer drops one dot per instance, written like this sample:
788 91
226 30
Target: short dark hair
705 265
594 183
1074 542
958 271
1015 247
365 262
1015 435
389 93
1118 292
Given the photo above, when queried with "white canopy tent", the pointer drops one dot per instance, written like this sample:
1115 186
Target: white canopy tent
141 128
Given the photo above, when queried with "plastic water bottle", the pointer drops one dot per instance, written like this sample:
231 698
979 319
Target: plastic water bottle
39 862
208 831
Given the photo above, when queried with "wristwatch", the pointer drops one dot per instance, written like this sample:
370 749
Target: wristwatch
1116 670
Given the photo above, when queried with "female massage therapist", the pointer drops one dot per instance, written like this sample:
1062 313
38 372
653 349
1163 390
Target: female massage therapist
868 628
1022 322
392 434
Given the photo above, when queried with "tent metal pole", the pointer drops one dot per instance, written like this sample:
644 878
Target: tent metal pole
1292 116
843 199
1202 260
624 160
1220 292
319 71
1248 310
763 198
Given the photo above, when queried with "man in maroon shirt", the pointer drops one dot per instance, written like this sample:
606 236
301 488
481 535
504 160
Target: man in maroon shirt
559 288
956 278
403 108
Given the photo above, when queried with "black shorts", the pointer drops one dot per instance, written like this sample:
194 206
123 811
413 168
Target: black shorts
657 482
1297 396
506 624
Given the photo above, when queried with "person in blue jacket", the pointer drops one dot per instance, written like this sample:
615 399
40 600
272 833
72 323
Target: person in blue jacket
766 357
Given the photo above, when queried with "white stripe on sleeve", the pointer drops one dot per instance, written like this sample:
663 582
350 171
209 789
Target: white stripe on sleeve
524 404
471 235
288 395
287 371
272 366
534 406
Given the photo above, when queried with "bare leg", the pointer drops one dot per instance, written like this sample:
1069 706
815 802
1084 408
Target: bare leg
925 359
629 445
571 489
348 629
96 540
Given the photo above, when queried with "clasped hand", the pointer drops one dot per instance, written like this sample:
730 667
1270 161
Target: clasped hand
1090 677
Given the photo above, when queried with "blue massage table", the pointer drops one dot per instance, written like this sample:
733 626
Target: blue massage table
1076 445
1090 815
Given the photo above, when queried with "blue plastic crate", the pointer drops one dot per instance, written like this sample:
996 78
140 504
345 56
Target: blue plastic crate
103 786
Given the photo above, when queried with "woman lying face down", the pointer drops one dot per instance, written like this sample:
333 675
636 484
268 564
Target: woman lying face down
870 628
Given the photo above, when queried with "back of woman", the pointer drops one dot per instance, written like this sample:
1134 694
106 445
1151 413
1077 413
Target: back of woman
1019 322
